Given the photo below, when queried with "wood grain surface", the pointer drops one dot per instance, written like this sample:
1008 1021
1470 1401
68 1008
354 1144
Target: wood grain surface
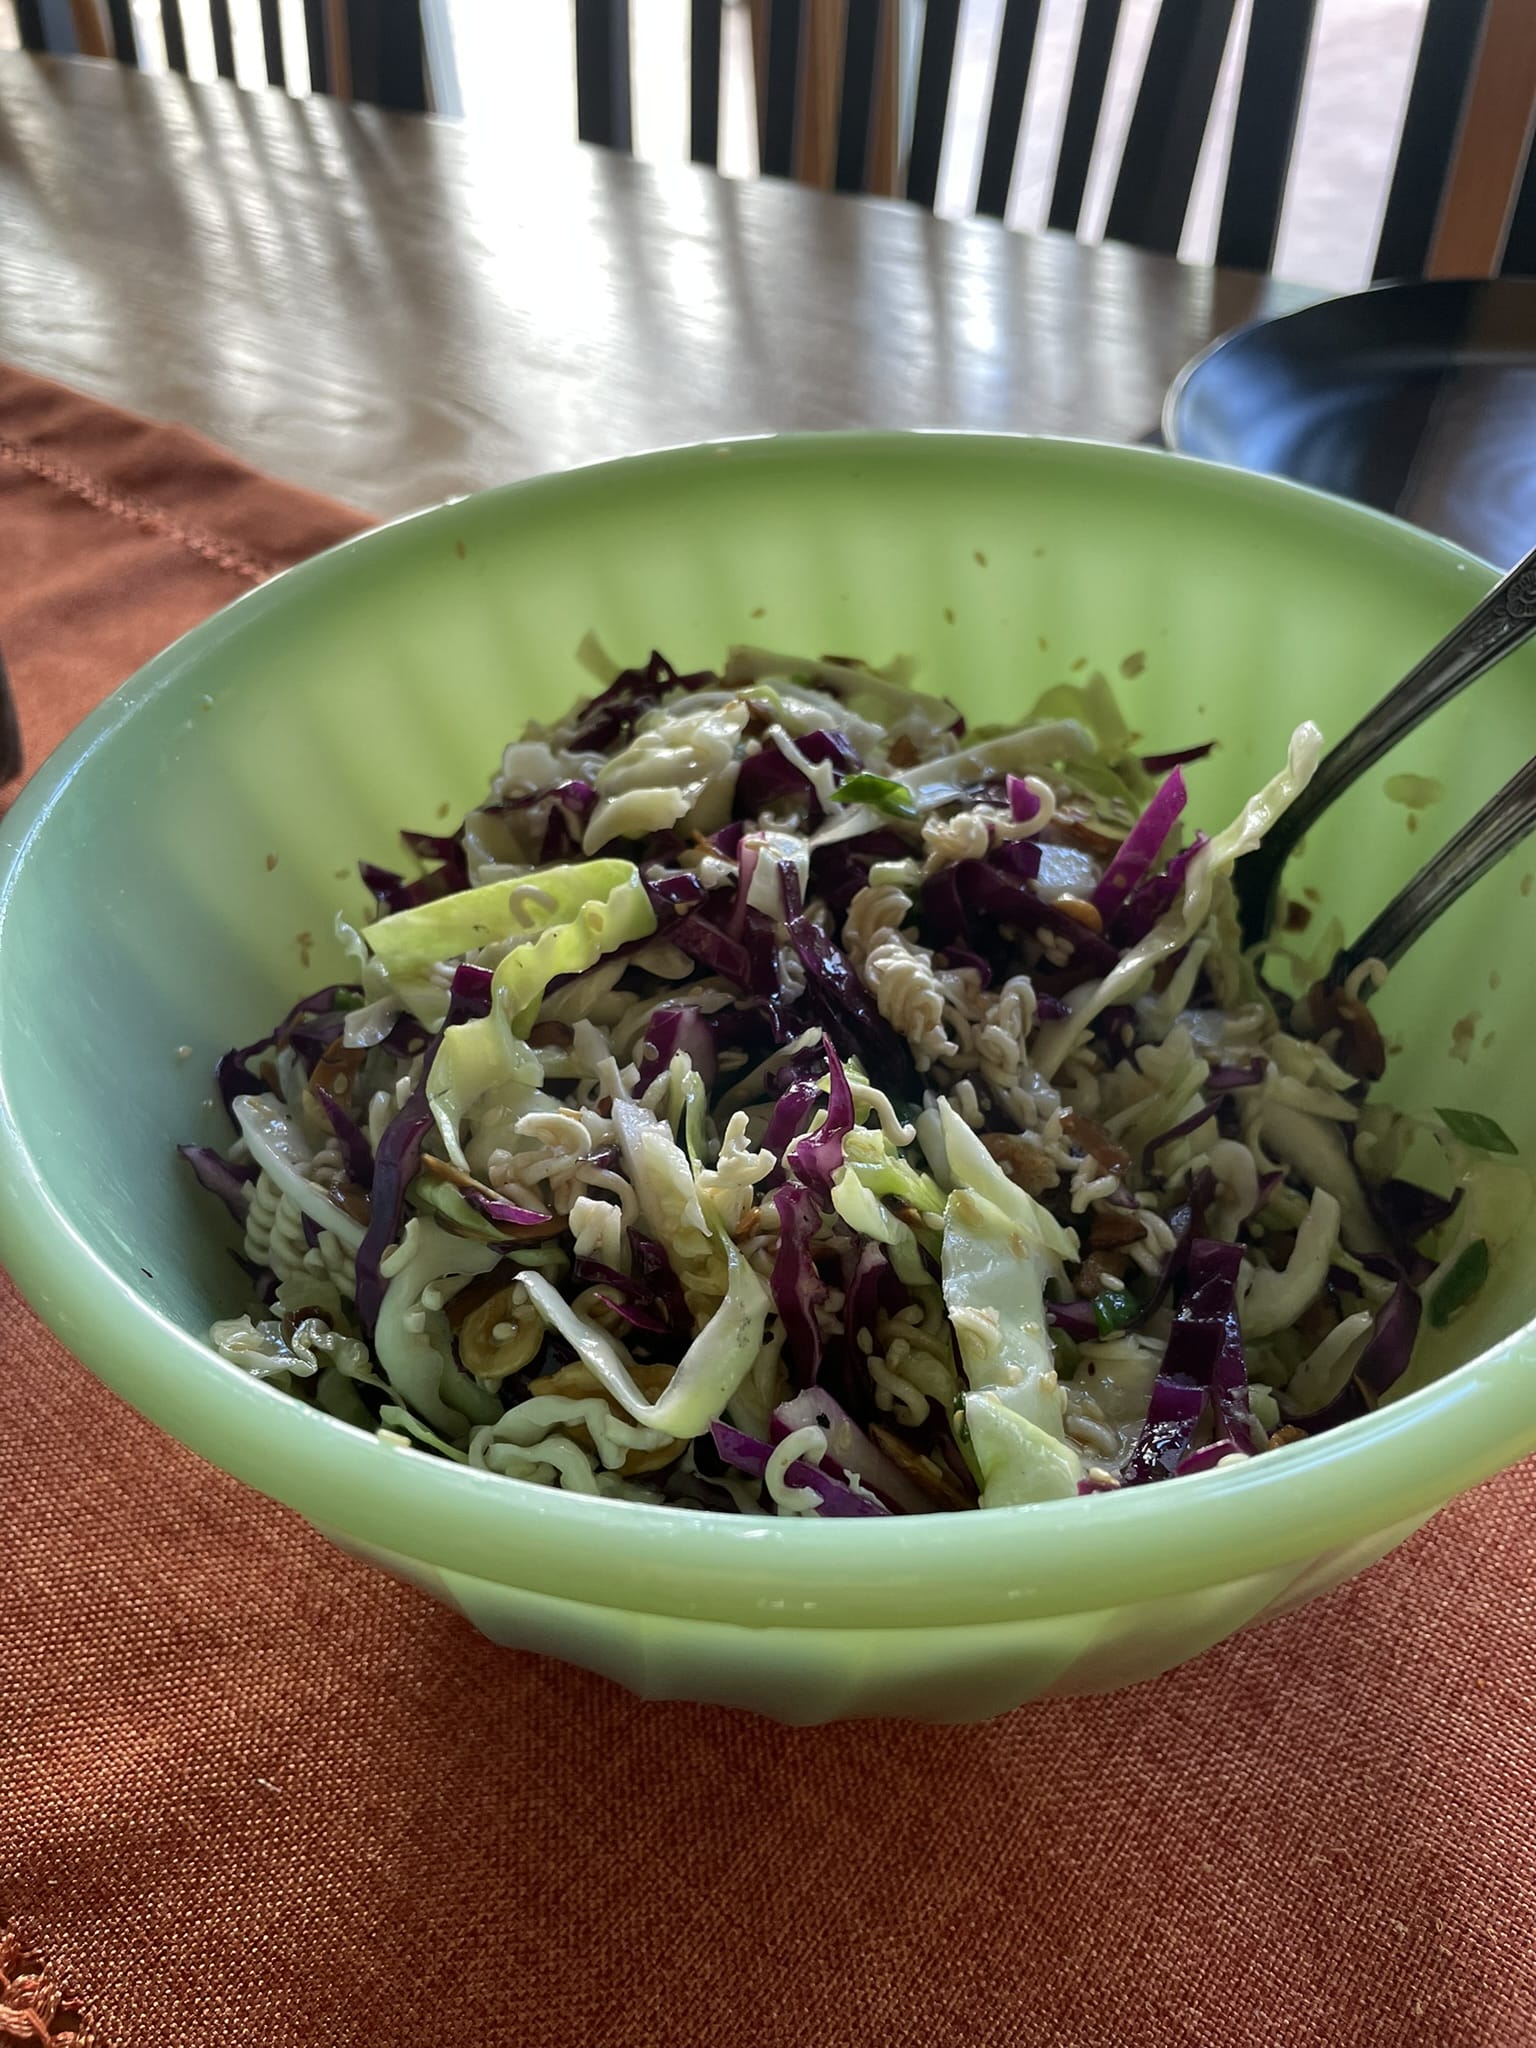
394 308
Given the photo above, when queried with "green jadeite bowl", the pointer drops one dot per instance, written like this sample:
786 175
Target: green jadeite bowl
374 687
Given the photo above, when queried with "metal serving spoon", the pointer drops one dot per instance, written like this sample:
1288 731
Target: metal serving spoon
1503 621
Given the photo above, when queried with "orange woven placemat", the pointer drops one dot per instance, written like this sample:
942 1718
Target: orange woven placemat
251 1793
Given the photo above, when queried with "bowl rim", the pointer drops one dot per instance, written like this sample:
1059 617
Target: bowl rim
920 1571
1174 416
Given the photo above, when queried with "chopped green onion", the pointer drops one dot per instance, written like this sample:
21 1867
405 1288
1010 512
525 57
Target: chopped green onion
1473 1129
1112 1311
1460 1284
879 792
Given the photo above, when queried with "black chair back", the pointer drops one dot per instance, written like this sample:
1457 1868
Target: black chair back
359 49
1170 117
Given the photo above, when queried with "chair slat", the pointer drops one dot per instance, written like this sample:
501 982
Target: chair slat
704 82
125 44
1520 244
85 19
930 106
175 35
1168 123
778 101
223 38
818 93
1085 107
1431 122
882 163
315 46
1492 147
1268 105
384 37
602 73
862 40
272 42
1010 83
338 53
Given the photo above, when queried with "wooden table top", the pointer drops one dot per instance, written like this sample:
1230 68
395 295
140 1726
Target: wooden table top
394 309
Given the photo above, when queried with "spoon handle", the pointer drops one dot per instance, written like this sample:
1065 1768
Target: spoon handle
1501 824
1502 622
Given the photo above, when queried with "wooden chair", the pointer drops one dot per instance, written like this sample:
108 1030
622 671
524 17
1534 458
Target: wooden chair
1462 195
1484 216
357 49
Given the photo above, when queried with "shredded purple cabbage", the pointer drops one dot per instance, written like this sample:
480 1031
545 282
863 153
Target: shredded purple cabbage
799 1293
356 1152
790 1115
1222 1080
564 809
815 1158
1022 801
613 715
505 1215
1168 1433
1205 1114
1075 1319
232 1184
1409 1211
406 1037
673 1029
958 958
1140 848
392 892
968 904
769 776
714 949
653 1271
1390 1345
849 1449
847 1008
398 1158
1154 897
435 845
840 870
750 1455
320 1017
1203 1374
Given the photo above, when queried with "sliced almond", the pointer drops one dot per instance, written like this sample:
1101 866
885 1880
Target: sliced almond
1360 1049
336 1068
480 1289
1113 1227
1025 1160
1093 1139
932 1479
1316 1321
1091 834
576 1382
1100 1273
1080 912
348 1196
